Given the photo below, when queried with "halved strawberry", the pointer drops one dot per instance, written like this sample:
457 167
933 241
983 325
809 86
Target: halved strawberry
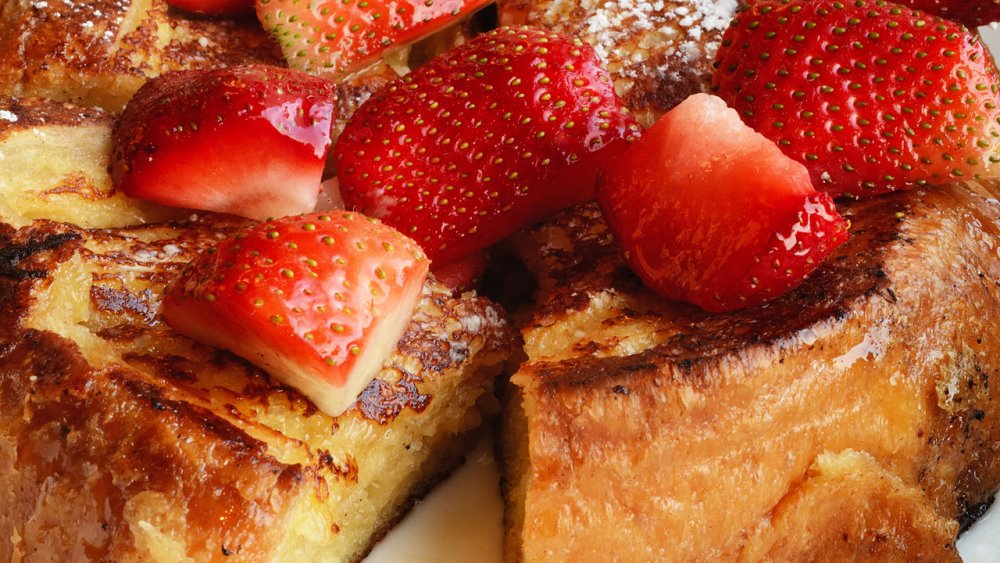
341 36
870 96
318 301
247 140
483 140
214 7
711 212
972 13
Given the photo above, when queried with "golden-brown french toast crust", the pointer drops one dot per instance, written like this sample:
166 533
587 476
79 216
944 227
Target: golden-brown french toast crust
153 447
702 423
98 53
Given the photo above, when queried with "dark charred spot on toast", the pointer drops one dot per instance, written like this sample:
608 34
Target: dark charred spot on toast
382 401
124 302
346 469
13 256
169 367
54 361
971 513
434 355
124 332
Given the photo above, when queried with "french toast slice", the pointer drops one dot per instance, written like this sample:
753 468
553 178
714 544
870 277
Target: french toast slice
658 52
654 431
121 440
98 53
54 165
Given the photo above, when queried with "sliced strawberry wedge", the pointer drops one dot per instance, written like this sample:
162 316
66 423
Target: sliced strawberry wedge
248 141
483 140
711 212
319 301
340 36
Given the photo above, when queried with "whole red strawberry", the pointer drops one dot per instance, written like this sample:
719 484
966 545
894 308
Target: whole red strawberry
972 13
871 96
249 140
483 140
319 301
340 36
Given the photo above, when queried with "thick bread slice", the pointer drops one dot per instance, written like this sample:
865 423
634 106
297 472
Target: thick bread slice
847 508
658 52
98 53
121 440
54 165
653 431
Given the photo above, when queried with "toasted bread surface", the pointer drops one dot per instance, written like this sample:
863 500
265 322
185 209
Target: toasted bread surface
99 53
652 430
121 440
54 165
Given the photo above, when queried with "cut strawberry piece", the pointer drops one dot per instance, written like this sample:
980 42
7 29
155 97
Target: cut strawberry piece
870 96
223 8
318 301
711 212
462 274
972 13
248 141
341 36
483 140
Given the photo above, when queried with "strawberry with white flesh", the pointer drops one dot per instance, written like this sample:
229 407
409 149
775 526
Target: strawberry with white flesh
483 140
248 140
711 212
318 301
972 13
223 8
872 97
342 36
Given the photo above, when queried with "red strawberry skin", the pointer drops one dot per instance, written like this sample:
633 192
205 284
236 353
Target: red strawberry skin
224 8
710 212
870 96
247 141
319 301
341 36
483 140
463 274
972 13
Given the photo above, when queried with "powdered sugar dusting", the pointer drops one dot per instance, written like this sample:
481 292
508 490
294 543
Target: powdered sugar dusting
613 27
658 52
8 116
